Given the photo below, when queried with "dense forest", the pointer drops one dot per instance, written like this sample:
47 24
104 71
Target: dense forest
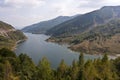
22 67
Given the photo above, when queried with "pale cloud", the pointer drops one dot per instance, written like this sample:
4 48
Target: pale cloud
68 7
23 3
21 13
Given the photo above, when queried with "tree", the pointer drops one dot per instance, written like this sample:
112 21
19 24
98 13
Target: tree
1 71
22 68
81 60
116 64
81 67
74 70
8 74
90 71
27 67
62 70
7 53
44 71
104 69
105 59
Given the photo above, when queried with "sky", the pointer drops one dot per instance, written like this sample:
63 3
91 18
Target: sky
21 13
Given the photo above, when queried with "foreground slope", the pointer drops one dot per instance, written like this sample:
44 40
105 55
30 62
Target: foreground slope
9 36
22 67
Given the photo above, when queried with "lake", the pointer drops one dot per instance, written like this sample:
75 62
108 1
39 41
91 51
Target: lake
36 47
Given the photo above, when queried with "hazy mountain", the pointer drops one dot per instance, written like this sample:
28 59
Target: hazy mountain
86 22
9 36
42 27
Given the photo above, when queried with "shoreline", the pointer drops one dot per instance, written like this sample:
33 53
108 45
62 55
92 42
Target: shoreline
111 56
114 56
17 43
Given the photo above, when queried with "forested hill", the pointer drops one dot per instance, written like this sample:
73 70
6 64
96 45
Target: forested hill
97 32
101 39
43 26
9 36
21 67
86 21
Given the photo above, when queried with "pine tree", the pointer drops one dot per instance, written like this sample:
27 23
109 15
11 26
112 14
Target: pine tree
81 60
27 67
74 70
81 67
8 73
105 59
62 70
90 71
44 70
104 69
116 64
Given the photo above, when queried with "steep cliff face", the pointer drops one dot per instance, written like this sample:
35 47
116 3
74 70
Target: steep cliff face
9 36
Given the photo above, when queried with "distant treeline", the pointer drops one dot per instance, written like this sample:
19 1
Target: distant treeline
21 67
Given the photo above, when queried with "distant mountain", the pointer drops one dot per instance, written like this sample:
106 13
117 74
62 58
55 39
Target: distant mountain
96 32
101 39
85 22
9 36
42 27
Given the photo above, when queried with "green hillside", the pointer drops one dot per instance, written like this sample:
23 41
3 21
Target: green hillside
9 36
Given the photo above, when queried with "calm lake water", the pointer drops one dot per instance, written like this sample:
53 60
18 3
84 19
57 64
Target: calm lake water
36 47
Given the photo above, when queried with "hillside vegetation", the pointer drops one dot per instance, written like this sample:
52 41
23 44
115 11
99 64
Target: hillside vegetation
96 32
21 67
9 36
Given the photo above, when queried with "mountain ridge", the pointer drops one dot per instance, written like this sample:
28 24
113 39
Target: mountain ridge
96 32
43 26
85 22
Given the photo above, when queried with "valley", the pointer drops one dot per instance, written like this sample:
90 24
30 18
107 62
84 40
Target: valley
43 45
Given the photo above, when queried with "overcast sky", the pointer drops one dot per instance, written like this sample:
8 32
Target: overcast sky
20 13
